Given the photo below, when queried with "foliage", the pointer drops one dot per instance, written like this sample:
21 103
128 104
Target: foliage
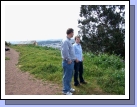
102 28
104 73
7 58
7 43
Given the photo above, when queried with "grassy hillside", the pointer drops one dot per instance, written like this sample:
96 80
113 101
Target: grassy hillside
104 73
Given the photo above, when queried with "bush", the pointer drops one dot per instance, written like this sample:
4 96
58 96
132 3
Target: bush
104 72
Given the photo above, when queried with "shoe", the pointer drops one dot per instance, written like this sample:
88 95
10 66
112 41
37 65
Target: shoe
76 84
67 93
83 82
72 90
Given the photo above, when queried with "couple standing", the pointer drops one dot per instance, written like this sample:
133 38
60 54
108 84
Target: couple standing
72 60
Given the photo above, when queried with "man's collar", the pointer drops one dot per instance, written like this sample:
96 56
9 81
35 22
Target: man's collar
68 38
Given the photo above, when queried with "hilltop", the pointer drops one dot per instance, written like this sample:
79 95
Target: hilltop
104 73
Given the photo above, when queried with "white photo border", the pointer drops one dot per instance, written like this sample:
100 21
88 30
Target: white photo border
5 3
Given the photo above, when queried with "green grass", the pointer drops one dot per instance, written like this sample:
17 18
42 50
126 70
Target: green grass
104 73
7 58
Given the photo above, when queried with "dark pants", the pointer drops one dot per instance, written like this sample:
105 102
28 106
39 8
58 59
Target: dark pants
78 67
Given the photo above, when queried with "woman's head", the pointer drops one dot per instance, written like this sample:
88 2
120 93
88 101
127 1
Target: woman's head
77 39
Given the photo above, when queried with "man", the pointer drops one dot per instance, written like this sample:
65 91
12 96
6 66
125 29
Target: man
68 56
78 66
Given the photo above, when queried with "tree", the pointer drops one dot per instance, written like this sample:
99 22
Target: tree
102 28
7 44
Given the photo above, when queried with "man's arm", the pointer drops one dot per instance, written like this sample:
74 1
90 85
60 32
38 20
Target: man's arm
65 51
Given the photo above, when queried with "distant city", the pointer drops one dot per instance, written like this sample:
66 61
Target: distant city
52 43
56 43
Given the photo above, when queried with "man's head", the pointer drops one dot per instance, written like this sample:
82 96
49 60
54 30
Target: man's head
70 32
77 39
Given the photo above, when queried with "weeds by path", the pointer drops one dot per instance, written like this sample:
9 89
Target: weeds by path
104 73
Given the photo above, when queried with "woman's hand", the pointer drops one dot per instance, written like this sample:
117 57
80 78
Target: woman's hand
77 60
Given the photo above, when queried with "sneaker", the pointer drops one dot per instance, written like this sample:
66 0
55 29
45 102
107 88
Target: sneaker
76 84
68 93
83 82
72 90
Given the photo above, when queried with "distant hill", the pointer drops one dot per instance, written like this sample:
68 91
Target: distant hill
51 41
14 42
48 42
44 42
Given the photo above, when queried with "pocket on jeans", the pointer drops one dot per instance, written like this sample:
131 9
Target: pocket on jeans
64 63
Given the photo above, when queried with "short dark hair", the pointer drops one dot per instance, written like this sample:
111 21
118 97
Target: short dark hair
69 30
77 37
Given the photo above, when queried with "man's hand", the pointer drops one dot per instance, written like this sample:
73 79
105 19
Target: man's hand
69 62
82 58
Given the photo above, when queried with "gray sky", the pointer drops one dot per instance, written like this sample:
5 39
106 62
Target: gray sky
40 22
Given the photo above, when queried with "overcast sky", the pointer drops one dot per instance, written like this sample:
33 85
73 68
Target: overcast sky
40 22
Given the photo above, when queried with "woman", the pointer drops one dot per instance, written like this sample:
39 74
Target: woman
78 65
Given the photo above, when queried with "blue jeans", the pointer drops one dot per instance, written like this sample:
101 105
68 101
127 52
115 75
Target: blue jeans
67 75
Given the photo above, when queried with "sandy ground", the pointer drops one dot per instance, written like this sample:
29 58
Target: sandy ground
22 83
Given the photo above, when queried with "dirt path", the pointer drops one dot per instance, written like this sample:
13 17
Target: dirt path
22 83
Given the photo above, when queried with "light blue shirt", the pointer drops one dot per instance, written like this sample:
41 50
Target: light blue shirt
67 51
78 51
